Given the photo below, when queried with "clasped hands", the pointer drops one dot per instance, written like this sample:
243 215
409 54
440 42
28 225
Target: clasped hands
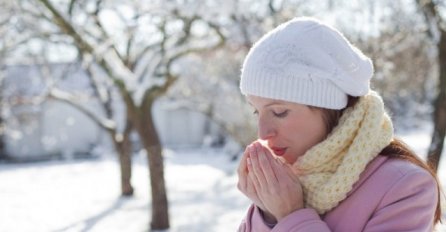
269 182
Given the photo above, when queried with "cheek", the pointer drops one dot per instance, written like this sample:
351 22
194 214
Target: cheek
307 130
315 131
319 130
302 135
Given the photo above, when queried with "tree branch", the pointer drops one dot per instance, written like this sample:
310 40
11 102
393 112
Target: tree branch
105 123
86 48
66 27
100 26
102 94
71 7
156 91
221 42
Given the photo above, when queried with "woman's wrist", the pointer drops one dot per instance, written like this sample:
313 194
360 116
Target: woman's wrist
280 217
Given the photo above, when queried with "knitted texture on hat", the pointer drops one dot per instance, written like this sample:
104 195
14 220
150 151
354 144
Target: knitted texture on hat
328 170
307 62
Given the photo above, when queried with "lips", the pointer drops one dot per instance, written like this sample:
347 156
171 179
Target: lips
279 151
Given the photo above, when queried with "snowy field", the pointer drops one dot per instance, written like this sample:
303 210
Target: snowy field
83 195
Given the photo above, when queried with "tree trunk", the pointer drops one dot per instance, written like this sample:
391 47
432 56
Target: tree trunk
123 147
152 144
439 116
125 163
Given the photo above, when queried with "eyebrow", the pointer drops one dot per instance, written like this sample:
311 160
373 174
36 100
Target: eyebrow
273 103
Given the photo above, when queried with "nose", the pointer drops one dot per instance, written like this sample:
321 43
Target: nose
266 129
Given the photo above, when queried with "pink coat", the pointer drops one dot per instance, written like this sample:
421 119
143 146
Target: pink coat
391 195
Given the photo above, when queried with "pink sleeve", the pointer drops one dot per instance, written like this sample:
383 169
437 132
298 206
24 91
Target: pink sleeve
301 220
253 221
408 206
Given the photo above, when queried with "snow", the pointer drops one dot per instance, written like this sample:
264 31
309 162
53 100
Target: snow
83 195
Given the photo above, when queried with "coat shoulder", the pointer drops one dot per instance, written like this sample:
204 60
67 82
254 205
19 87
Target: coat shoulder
387 188
385 172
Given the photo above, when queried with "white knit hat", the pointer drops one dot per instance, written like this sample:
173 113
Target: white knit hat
307 62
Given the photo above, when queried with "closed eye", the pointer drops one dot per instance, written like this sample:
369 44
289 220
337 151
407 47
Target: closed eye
281 114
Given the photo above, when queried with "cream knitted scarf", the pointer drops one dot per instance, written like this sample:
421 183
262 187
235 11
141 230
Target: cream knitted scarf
328 170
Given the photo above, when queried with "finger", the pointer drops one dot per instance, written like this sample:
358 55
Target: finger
250 186
256 167
242 183
253 194
284 171
242 168
242 172
291 173
267 161
252 178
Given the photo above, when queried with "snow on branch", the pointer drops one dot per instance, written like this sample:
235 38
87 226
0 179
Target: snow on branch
176 35
57 94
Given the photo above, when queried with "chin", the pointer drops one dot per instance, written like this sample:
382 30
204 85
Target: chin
288 158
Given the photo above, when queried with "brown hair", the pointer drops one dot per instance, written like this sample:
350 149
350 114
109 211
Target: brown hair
396 149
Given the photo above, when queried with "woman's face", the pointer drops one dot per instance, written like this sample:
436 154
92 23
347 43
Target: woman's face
289 129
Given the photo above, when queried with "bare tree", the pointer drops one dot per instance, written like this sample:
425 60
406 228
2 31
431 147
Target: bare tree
437 32
105 120
138 52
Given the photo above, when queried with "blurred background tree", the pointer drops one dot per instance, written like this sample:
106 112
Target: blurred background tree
436 30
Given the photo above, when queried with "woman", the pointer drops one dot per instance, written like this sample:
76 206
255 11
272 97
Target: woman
326 158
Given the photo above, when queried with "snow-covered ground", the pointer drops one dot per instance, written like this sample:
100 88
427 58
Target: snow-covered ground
83 195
